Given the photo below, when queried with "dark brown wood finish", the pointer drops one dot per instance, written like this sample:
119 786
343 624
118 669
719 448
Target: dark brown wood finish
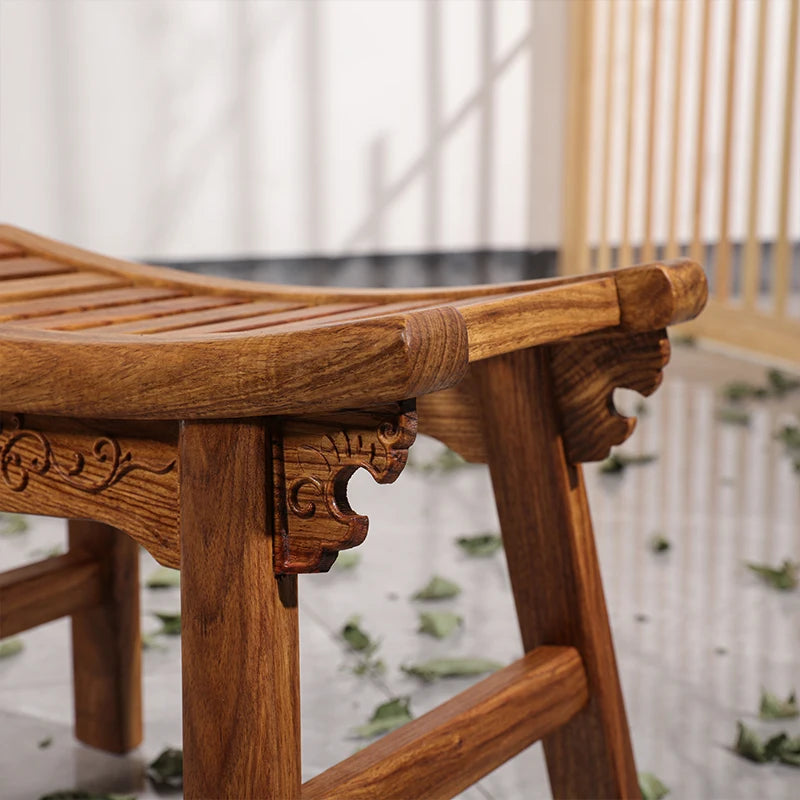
241 696
547 532
313 460
106 643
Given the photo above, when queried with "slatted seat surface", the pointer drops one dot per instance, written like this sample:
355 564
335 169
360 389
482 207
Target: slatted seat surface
161 335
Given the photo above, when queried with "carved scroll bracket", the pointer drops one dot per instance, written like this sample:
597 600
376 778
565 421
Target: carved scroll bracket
586 370
313 459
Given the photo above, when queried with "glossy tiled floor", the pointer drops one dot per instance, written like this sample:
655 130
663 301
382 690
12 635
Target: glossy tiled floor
697 634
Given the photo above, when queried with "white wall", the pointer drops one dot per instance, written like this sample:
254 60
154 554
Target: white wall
192 128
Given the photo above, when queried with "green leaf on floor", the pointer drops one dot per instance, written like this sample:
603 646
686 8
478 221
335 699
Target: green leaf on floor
772 707
43 744
170 623
790 436
783 577
387 717
451 668
736 391
373 667
780 383
617 462
446 461
164 578
481 545
789 752
651 787
748 744
733 416
167 769
683 339
151 641
13 524
10 647
659 543
437 588
347 560
357 638
439 623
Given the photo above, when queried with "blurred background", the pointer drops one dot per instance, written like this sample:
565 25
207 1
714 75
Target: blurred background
409 142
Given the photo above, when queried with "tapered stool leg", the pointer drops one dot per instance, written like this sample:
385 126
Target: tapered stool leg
106 644
553 566
241 700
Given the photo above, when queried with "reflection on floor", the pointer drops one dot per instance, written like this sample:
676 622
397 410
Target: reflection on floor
697 634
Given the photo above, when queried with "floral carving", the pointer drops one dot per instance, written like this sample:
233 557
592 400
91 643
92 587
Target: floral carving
316 460
28 452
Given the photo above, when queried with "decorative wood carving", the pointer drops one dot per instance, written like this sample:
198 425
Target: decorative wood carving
586 370
121 473
106 456
313 459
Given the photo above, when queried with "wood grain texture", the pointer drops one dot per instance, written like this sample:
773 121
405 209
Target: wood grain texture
83 301
106 643
11 268
241 703
142 275
123 474
313 459
448 749
586 371
453 416
47 590
659 295
552 562
500 325
300 351
318 369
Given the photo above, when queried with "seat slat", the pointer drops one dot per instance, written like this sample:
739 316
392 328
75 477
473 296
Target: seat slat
178 322
11 268
10 250
354 312
84 301
275 319
28 288
127 313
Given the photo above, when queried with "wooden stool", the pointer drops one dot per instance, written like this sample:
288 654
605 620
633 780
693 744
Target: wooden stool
217 422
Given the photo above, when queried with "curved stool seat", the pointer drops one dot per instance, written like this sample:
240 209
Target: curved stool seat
217 423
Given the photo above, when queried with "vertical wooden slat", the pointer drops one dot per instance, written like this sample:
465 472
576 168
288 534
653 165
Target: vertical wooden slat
574 250
603 251
696 250
648 249
672 250
723 269
625 251
782 247
752 255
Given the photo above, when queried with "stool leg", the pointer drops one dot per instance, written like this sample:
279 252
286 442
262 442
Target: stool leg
553 567
106 645
241 698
